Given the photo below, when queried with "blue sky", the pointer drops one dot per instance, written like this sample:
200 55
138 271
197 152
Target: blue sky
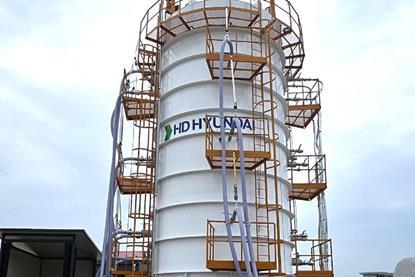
60 67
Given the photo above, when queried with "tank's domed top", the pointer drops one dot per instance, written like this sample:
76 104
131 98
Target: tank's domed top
405 268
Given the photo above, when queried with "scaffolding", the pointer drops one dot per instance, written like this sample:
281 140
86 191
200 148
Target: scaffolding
308 176
311 263
131 252
303 99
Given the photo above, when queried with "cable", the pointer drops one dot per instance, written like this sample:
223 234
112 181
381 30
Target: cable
247 247
225 42
244 197
321 199
109 228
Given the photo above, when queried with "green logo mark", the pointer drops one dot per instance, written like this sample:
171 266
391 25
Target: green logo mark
168 130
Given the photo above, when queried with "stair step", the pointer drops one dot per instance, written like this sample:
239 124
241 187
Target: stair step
291 45
295 56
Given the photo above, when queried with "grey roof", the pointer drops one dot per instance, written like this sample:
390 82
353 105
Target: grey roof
377 273
37 240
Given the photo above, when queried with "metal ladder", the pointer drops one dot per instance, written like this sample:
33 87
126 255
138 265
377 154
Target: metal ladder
261 190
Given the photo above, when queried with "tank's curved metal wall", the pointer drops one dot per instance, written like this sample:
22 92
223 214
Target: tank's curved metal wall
189 192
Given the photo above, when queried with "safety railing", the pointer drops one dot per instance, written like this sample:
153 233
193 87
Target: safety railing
131 253
308 176
134 182
284 27
165 20
218 257
138 96
135 176
131 249
256 145
313 256
248 58
139 105
303 99
146 61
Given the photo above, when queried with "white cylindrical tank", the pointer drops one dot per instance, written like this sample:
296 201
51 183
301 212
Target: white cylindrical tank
405 268
188 191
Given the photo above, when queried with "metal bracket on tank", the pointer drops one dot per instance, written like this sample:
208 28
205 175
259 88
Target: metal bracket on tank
235 192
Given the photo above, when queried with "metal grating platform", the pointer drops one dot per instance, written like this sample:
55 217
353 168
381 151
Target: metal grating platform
315 274
303 99
308 176
283 25
252 158
255 154
139 106
246 67
134 185
306 191
215 265
216 243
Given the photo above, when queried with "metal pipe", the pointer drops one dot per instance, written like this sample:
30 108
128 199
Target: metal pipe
109 221
244 196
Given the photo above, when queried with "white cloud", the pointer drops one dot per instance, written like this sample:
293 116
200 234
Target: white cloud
88 46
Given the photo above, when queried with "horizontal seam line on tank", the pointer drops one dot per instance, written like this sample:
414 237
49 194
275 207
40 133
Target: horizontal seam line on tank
201 55
209 170
163 144
203 111
202 30
280 73
182 272
284 210
287 242
196 83
211 273
250 203
181 37
205 272
210 81
182 60
161 179
201 82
